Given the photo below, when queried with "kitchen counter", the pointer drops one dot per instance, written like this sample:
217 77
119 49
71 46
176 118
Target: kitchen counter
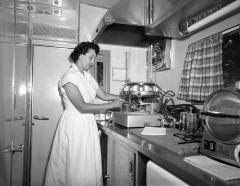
165 151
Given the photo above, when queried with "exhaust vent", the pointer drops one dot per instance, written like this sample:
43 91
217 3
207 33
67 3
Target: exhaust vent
48 20
52 32
7 29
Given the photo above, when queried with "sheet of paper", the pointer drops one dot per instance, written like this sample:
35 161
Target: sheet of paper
154 131
218 169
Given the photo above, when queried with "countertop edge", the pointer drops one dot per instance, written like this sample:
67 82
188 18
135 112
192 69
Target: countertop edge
162 156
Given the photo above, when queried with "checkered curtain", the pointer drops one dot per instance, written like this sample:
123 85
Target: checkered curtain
202 72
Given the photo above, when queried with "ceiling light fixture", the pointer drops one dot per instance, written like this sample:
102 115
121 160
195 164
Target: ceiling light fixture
230 8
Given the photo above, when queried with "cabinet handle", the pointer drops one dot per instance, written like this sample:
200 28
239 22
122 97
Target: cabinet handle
40 117
107 176
130 169
17 118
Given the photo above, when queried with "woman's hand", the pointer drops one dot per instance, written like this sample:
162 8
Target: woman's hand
117 103
119 98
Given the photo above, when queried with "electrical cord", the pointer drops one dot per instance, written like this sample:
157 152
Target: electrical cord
171 111
166 97
175 111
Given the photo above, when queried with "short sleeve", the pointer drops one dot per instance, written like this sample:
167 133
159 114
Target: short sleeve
69 78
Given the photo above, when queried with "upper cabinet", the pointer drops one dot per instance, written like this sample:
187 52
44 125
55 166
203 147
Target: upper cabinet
177 19
166 17
160 11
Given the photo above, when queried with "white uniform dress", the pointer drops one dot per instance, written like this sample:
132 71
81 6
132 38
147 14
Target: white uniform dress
75 158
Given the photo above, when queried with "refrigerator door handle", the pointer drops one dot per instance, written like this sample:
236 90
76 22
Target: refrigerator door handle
37 117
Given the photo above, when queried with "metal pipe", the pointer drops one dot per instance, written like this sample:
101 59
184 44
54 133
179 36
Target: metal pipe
28 123
13 92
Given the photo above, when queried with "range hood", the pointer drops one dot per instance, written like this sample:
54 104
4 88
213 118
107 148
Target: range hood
144 22
125 24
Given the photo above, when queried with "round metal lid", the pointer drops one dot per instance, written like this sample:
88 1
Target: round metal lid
223 115
141 83
141 88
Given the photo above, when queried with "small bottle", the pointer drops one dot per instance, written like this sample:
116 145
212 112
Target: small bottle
192 123
183 121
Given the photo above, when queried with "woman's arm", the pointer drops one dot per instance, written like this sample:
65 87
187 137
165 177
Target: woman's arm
77 100
106 96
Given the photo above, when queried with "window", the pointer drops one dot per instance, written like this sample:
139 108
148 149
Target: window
231 57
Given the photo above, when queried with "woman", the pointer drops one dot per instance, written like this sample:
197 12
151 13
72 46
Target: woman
75 156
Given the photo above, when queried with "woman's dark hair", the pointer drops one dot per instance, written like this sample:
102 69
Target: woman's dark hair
82 48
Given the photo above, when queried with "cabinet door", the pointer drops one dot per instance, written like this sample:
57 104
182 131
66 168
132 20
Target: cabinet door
156 175
49 65
13 62
120 164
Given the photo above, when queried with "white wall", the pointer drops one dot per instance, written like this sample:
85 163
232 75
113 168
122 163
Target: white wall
137 65
133 59
170 79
